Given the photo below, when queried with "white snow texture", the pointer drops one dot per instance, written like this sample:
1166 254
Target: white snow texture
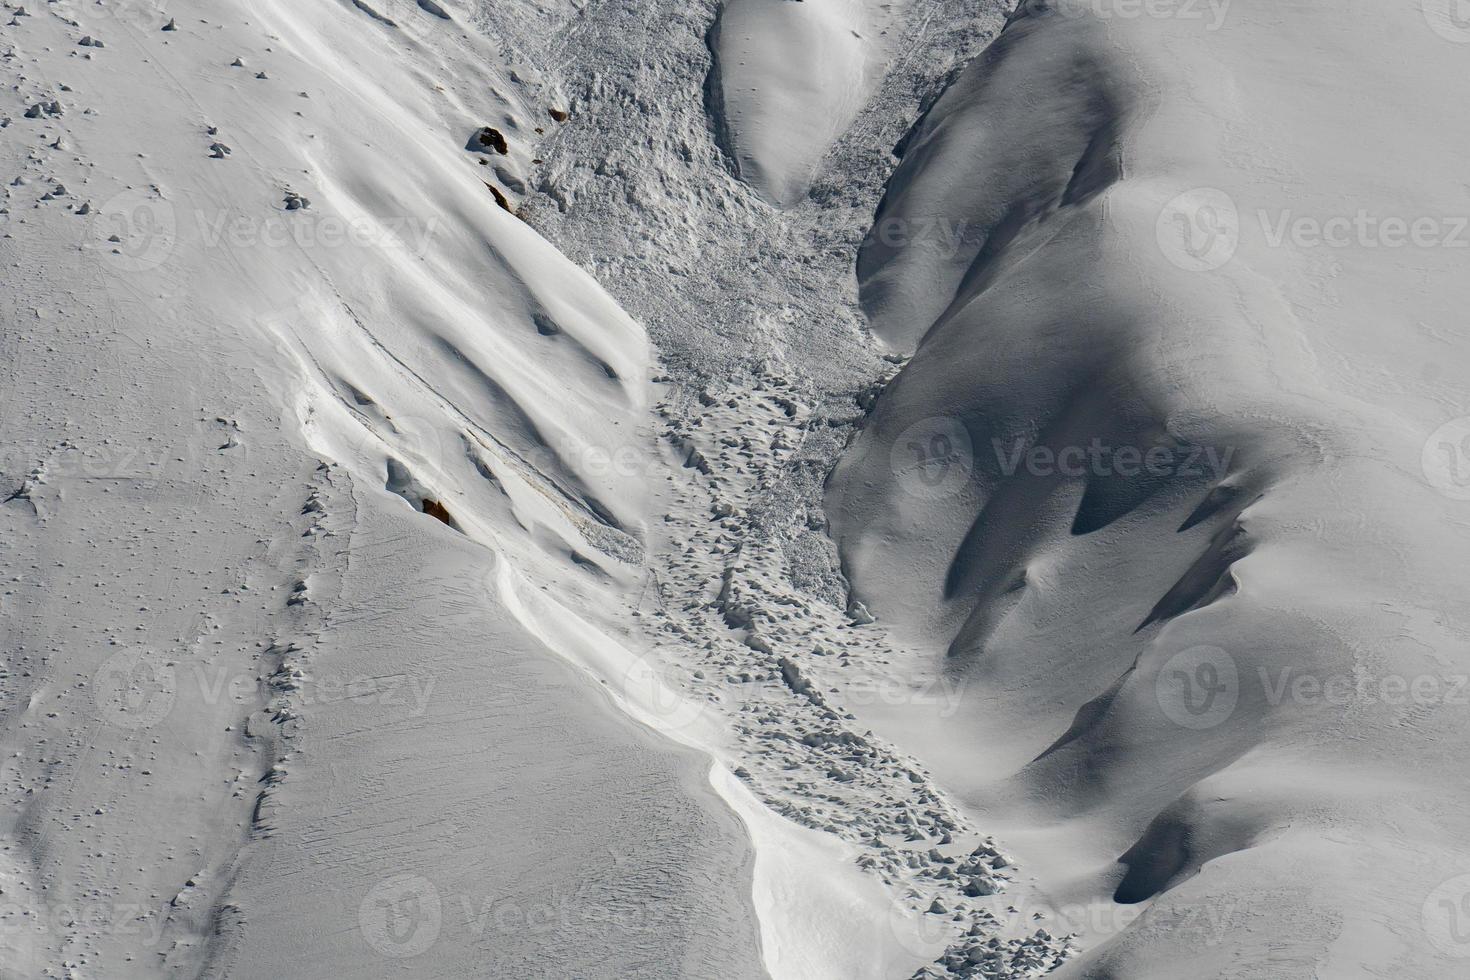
734 488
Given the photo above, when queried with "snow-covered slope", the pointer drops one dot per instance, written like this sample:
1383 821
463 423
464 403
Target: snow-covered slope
265 714
422 420
1168 484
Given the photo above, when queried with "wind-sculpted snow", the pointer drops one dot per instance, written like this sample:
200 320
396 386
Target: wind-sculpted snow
297 415
1033 156
788 80
1055 567
1163 482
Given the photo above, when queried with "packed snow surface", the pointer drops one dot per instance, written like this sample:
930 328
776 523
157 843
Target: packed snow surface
791 488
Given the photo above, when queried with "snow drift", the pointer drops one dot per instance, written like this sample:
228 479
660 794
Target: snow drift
788 80
1151 484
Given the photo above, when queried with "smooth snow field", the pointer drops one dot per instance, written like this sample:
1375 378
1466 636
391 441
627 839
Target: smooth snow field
766 488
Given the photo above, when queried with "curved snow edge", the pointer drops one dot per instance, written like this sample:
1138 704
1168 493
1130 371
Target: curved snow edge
815 909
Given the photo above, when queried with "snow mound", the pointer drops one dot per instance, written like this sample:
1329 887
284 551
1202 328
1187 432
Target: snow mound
788 80
1166 482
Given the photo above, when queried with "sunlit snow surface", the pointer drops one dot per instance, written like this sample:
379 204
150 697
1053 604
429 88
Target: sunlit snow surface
806 488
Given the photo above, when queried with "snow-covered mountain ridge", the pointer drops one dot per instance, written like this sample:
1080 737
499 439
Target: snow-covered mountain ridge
803 489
